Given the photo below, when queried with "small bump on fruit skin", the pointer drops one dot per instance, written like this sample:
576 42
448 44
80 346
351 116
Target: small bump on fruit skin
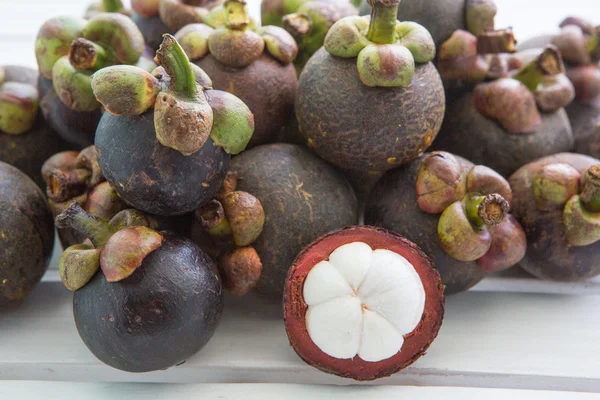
133 326
358 127
167 182
26 234
548 254
302 197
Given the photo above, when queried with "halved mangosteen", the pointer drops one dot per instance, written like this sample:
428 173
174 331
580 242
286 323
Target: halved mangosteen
362 303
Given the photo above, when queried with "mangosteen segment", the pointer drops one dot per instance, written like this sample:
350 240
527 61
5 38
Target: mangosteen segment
387 49
362 303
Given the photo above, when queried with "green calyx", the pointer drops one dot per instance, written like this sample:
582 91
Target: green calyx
193 39
480 16
554 185
176 14
186 111
54 41
112 6
73 86
386 49
116 248
19 104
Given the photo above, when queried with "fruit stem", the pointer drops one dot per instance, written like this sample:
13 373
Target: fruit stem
384 15
486 210
590 189
549 63
236 14
112 6
298 25
593 45
94 228
64 185
173 59
85 54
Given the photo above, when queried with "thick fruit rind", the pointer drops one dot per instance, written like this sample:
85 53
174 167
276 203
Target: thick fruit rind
415 344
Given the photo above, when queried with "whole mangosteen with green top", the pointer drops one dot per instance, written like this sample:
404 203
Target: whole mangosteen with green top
514 113
26 234
26 140
253 63
443 17
455 211
165 141
157 17
371 99
277 199
557 199
311 22
157 300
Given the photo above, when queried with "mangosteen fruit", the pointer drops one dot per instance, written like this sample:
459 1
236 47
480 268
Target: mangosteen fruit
370 99
556 199
311 22
293 197
26 234
26 140
253 63
68 51
514 114
165 141
362 303
455 211
157 300
157 17
442 17
273 11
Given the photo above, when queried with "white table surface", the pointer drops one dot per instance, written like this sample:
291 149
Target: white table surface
492 345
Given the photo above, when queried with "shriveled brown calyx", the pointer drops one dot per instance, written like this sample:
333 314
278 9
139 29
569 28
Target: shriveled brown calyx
297 24
386 49
494 42
184 115
115 248
19 105
471 202
234 220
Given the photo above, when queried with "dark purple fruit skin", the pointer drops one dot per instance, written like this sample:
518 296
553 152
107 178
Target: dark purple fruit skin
28 151
26 234
267 87
303 199
393 205
548 254
357 127
154 178
468 133
585 120
440 17
164 313
152 29
75 127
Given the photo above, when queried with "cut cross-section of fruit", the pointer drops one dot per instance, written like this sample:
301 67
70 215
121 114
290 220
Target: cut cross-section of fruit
362 303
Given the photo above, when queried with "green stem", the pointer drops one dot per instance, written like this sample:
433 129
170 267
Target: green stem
547 64
486 210
173 59
236 14
94 228
85 54
593 45
590 189
111 6
384 15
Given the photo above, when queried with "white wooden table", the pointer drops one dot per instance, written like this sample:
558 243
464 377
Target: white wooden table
496 342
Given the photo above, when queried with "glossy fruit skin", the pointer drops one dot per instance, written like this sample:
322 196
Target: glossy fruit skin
152 29
393 205
363 128
267 87
154 178
440 17
303 198
468 133
75 127
548 254
29 150
26 234
585 120
158 317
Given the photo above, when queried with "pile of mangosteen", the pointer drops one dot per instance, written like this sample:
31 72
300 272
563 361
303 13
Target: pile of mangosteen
184 150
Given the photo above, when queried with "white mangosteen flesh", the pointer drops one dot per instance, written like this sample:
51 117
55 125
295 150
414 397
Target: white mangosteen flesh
361 302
